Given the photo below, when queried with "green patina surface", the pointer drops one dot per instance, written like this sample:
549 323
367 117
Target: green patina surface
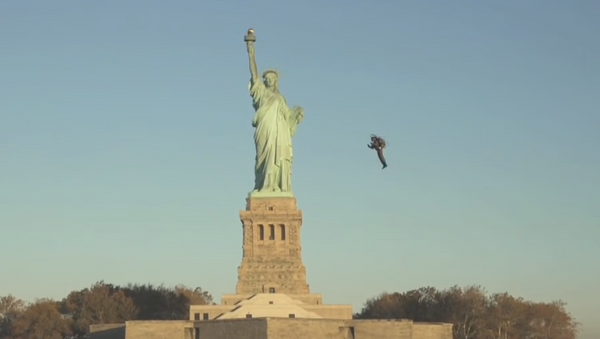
275 125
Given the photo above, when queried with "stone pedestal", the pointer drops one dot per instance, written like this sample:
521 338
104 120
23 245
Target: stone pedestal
272 248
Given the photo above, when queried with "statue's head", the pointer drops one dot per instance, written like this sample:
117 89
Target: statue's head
271 78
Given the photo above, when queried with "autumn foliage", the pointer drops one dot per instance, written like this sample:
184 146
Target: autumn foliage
475 314
100 304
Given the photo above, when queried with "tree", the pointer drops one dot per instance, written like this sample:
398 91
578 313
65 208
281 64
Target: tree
550 321
466 310
505 316
41 320
10 305
195 296
10 308
384 306
163 303
420 305
474 314
100 304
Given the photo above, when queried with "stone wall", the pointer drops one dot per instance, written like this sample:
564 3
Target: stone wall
340 329
306 328
383 329
233 328
213 311
107 331
274 328
158 329
432 331
311 298
330 311
272 248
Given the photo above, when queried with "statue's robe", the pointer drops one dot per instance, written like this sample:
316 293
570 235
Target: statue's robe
275 125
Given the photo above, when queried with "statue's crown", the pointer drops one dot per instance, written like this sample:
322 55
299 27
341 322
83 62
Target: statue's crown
270 71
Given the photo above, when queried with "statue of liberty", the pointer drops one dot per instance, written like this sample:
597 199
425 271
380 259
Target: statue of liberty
275 124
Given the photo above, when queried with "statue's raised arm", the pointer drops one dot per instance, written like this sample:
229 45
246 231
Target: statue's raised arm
250 39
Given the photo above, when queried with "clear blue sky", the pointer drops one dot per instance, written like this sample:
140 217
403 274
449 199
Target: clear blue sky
126 147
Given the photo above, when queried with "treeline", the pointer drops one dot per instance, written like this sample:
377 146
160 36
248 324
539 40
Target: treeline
100 304
475 314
